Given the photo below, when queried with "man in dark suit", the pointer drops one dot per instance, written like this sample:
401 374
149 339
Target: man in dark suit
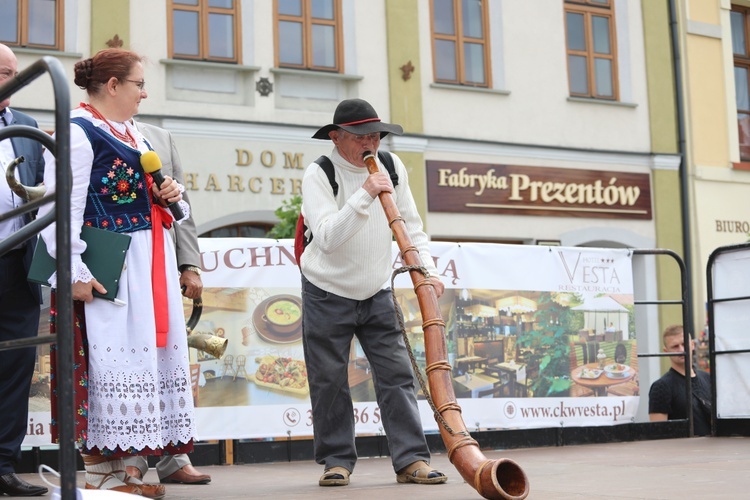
19 299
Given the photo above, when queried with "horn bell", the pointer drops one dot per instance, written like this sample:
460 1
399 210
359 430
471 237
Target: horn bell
25 192
210 344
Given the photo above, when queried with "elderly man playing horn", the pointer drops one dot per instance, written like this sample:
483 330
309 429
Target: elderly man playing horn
345 292
19 299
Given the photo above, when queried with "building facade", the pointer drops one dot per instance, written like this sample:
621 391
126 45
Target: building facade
713 36
546 122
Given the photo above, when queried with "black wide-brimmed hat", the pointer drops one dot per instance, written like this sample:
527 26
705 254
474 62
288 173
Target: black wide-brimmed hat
358 117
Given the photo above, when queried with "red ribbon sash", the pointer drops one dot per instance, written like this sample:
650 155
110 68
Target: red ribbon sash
160 217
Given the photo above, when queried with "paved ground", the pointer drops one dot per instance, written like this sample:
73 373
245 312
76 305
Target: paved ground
680 469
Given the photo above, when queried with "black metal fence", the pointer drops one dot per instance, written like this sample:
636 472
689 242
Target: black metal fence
726 425
685 304
60 147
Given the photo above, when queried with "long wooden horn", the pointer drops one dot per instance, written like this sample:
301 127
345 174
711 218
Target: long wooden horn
501 479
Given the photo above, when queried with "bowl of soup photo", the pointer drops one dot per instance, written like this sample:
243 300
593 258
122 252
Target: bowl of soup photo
617 370
283 315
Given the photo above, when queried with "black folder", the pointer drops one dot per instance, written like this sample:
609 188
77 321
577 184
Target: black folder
104 256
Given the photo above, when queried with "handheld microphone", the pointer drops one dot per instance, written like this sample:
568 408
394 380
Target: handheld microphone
152 165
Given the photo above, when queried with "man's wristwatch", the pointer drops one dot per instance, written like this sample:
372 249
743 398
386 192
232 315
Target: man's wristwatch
195 269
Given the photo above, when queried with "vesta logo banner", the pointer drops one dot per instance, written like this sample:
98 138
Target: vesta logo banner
591 273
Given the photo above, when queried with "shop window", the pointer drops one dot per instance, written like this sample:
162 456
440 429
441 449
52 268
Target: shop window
204 30
32 23
740 17
460 42
256 230
309 35
591 49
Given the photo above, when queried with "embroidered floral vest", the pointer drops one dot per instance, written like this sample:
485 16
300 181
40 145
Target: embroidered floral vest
118 199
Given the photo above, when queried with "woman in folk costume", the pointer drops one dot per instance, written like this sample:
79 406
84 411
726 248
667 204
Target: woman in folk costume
133 394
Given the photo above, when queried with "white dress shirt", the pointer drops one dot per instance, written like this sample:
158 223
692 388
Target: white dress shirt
8 199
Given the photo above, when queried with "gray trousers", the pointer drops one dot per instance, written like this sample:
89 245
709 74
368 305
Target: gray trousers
168 465
329 323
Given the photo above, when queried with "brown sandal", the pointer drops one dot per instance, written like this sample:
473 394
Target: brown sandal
155 491
125 488
335 476
420 473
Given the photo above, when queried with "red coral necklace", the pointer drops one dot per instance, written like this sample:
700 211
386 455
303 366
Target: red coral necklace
126 137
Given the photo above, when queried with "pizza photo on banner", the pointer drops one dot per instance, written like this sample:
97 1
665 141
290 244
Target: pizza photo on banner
536 336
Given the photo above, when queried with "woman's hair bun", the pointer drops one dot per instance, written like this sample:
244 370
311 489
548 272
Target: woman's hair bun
83 70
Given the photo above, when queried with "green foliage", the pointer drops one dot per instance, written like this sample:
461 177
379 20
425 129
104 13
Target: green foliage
553 322
288 213
631 317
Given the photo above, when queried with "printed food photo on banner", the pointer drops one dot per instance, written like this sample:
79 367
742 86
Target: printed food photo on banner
263 362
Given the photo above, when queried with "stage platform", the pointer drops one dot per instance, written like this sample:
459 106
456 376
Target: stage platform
679 469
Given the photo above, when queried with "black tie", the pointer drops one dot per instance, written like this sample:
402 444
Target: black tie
2 117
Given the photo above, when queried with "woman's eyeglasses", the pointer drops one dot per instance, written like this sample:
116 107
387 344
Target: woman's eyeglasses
140 84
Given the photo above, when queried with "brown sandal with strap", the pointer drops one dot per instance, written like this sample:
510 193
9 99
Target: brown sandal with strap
125 488
155 491
420 473
335 476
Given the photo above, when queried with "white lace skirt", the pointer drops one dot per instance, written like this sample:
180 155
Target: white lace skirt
139 395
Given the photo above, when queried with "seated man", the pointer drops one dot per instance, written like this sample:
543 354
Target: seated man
667 400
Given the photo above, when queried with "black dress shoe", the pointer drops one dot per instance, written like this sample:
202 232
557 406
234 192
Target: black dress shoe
14 486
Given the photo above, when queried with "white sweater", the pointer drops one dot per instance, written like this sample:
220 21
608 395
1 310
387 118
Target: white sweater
350 254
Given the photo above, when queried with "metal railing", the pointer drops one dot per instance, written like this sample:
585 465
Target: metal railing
684 301
721 426
60 147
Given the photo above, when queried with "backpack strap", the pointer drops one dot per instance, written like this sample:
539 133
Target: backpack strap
300 240
325 163
387 160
